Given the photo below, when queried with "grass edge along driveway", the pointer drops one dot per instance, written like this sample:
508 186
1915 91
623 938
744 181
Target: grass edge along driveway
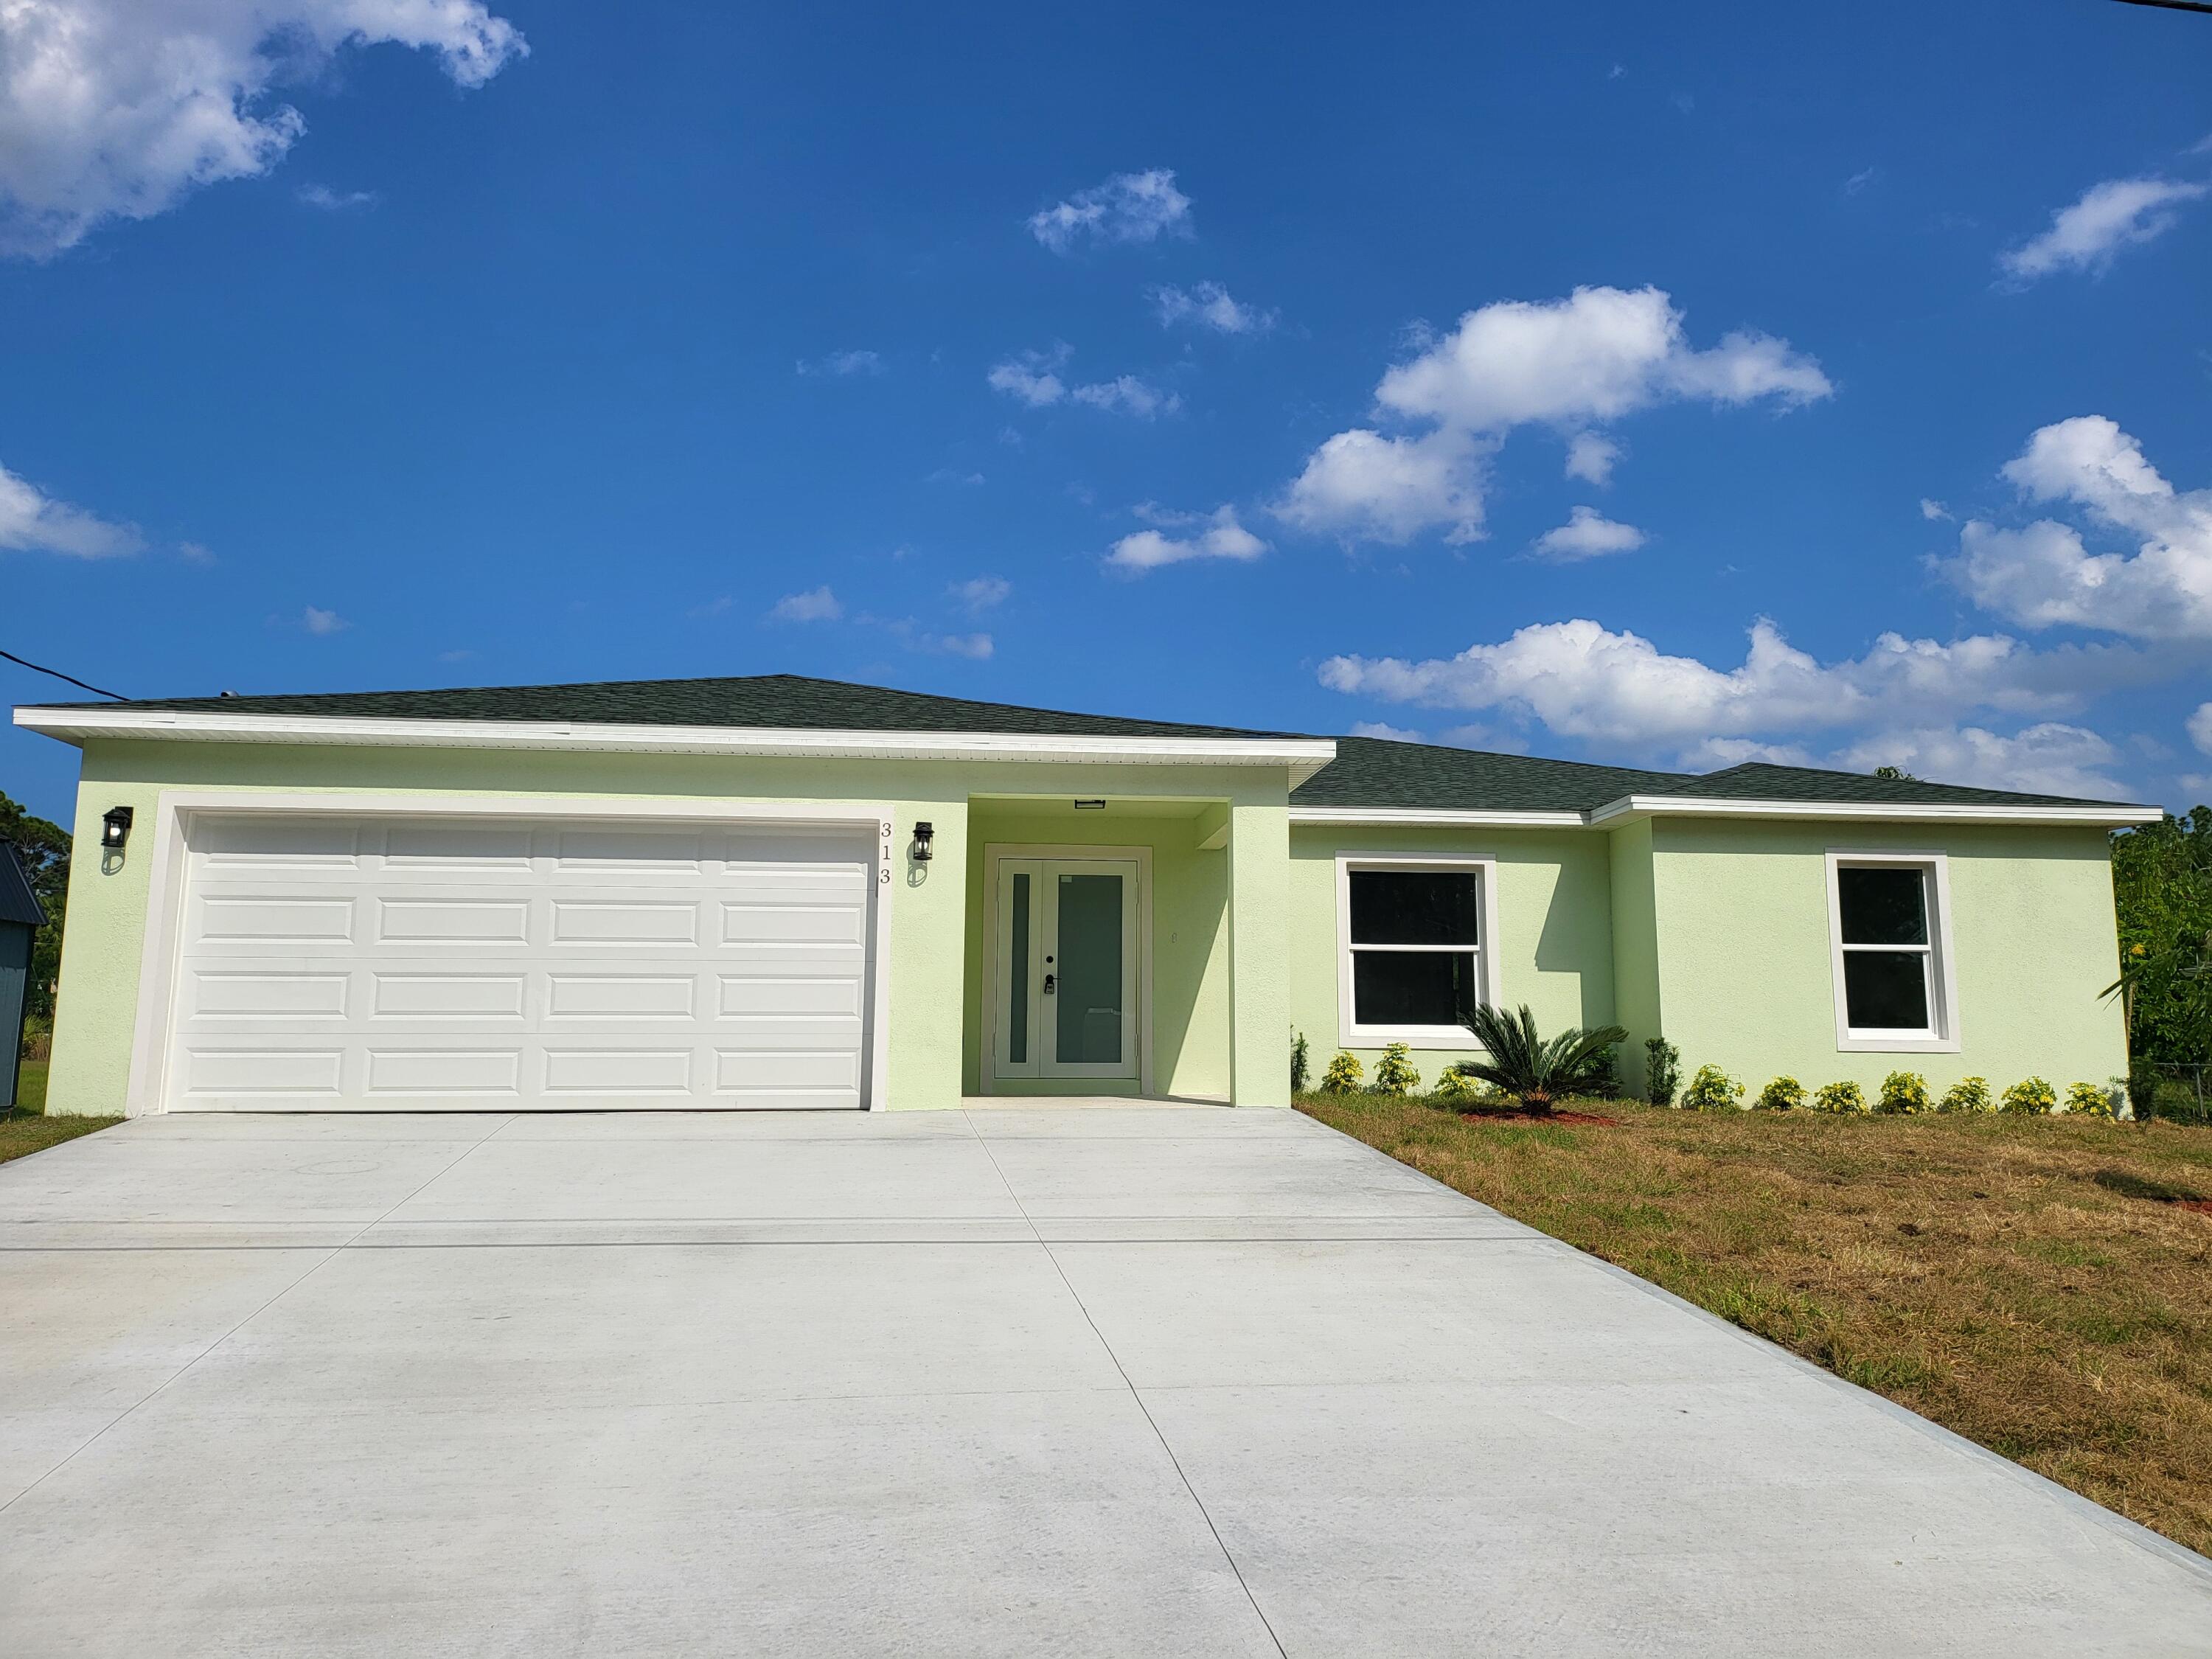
26 1130
2040 1285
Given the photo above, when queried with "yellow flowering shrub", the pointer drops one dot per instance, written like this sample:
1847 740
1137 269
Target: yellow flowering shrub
1968 1094
1345 1074
1840 1098
1711 1090
1903 1092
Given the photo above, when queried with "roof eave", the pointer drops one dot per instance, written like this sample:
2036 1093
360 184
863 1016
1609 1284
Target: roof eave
1629 808
1303 757
1438 817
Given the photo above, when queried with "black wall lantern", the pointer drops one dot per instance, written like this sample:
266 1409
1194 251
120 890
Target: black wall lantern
114 829
923 832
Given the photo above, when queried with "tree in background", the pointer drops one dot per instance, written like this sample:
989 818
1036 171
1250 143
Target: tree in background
2162 884
44 851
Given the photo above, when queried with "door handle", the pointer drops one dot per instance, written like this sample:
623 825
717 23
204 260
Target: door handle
1049 978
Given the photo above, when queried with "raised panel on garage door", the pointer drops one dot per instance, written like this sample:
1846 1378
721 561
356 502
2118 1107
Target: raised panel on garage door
408 963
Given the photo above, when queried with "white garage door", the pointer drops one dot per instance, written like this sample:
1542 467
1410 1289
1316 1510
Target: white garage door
410 964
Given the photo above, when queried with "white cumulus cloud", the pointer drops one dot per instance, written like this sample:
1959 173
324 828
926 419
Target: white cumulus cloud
2200 728
2043 574
1129 207
1381 729
1591 456
2045 759
981 593
1210 306
1033 378
1126 394
1582 680
1216 535
336 200
1363 486
116 109
316 620
976 648
816 605
1596 356
1588 534
2086 235
32 522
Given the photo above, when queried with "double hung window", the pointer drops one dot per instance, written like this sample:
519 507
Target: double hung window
1415 948
1888 922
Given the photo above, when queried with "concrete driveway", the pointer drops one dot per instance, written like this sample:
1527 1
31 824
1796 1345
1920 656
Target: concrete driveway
1113 1381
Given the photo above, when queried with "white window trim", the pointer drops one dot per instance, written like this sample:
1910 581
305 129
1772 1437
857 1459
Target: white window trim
1942 977
1350 1033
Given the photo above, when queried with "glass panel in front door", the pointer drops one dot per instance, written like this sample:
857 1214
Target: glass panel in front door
1086 1000
1018 977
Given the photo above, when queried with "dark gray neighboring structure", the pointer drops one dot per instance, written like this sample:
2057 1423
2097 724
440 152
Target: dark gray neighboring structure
20 921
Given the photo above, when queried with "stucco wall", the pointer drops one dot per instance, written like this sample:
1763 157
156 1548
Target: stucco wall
1636 989
1554 921
101 956
1745 979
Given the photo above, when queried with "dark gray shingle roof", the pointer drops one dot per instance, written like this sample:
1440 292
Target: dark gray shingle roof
1383 772
1759 781
1371 772
17 903
788 701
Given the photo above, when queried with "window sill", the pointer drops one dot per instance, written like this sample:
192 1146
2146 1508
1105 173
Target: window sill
1894 1042
1457 1037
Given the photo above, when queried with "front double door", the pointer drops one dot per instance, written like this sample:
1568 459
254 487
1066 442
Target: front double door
1065 989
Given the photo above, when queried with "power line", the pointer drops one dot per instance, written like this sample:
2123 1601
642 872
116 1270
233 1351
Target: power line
2172 5
57 674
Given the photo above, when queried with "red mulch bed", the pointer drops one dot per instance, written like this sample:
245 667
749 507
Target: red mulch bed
1521 1115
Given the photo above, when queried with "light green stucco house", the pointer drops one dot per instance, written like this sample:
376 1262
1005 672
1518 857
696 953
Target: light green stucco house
782 892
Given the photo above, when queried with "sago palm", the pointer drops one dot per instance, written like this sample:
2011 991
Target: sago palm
1534 1071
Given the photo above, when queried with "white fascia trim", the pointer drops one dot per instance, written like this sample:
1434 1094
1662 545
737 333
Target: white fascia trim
1629 808
1421 818
1304 755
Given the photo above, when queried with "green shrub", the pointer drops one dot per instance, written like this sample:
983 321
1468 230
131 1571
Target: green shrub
1968 1094
1840 1098
2142 1090
1537 1070
1458 1087
1301 1065
1604 1078
1711 1090
1903 1092
1343 1075
1662 1070
2089 1099
1395 1073
1783 1094
2029 1096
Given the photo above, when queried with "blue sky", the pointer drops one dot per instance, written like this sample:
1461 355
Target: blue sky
1666 385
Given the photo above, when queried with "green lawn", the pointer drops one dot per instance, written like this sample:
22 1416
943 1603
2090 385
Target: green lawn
28 1130
2040 1285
